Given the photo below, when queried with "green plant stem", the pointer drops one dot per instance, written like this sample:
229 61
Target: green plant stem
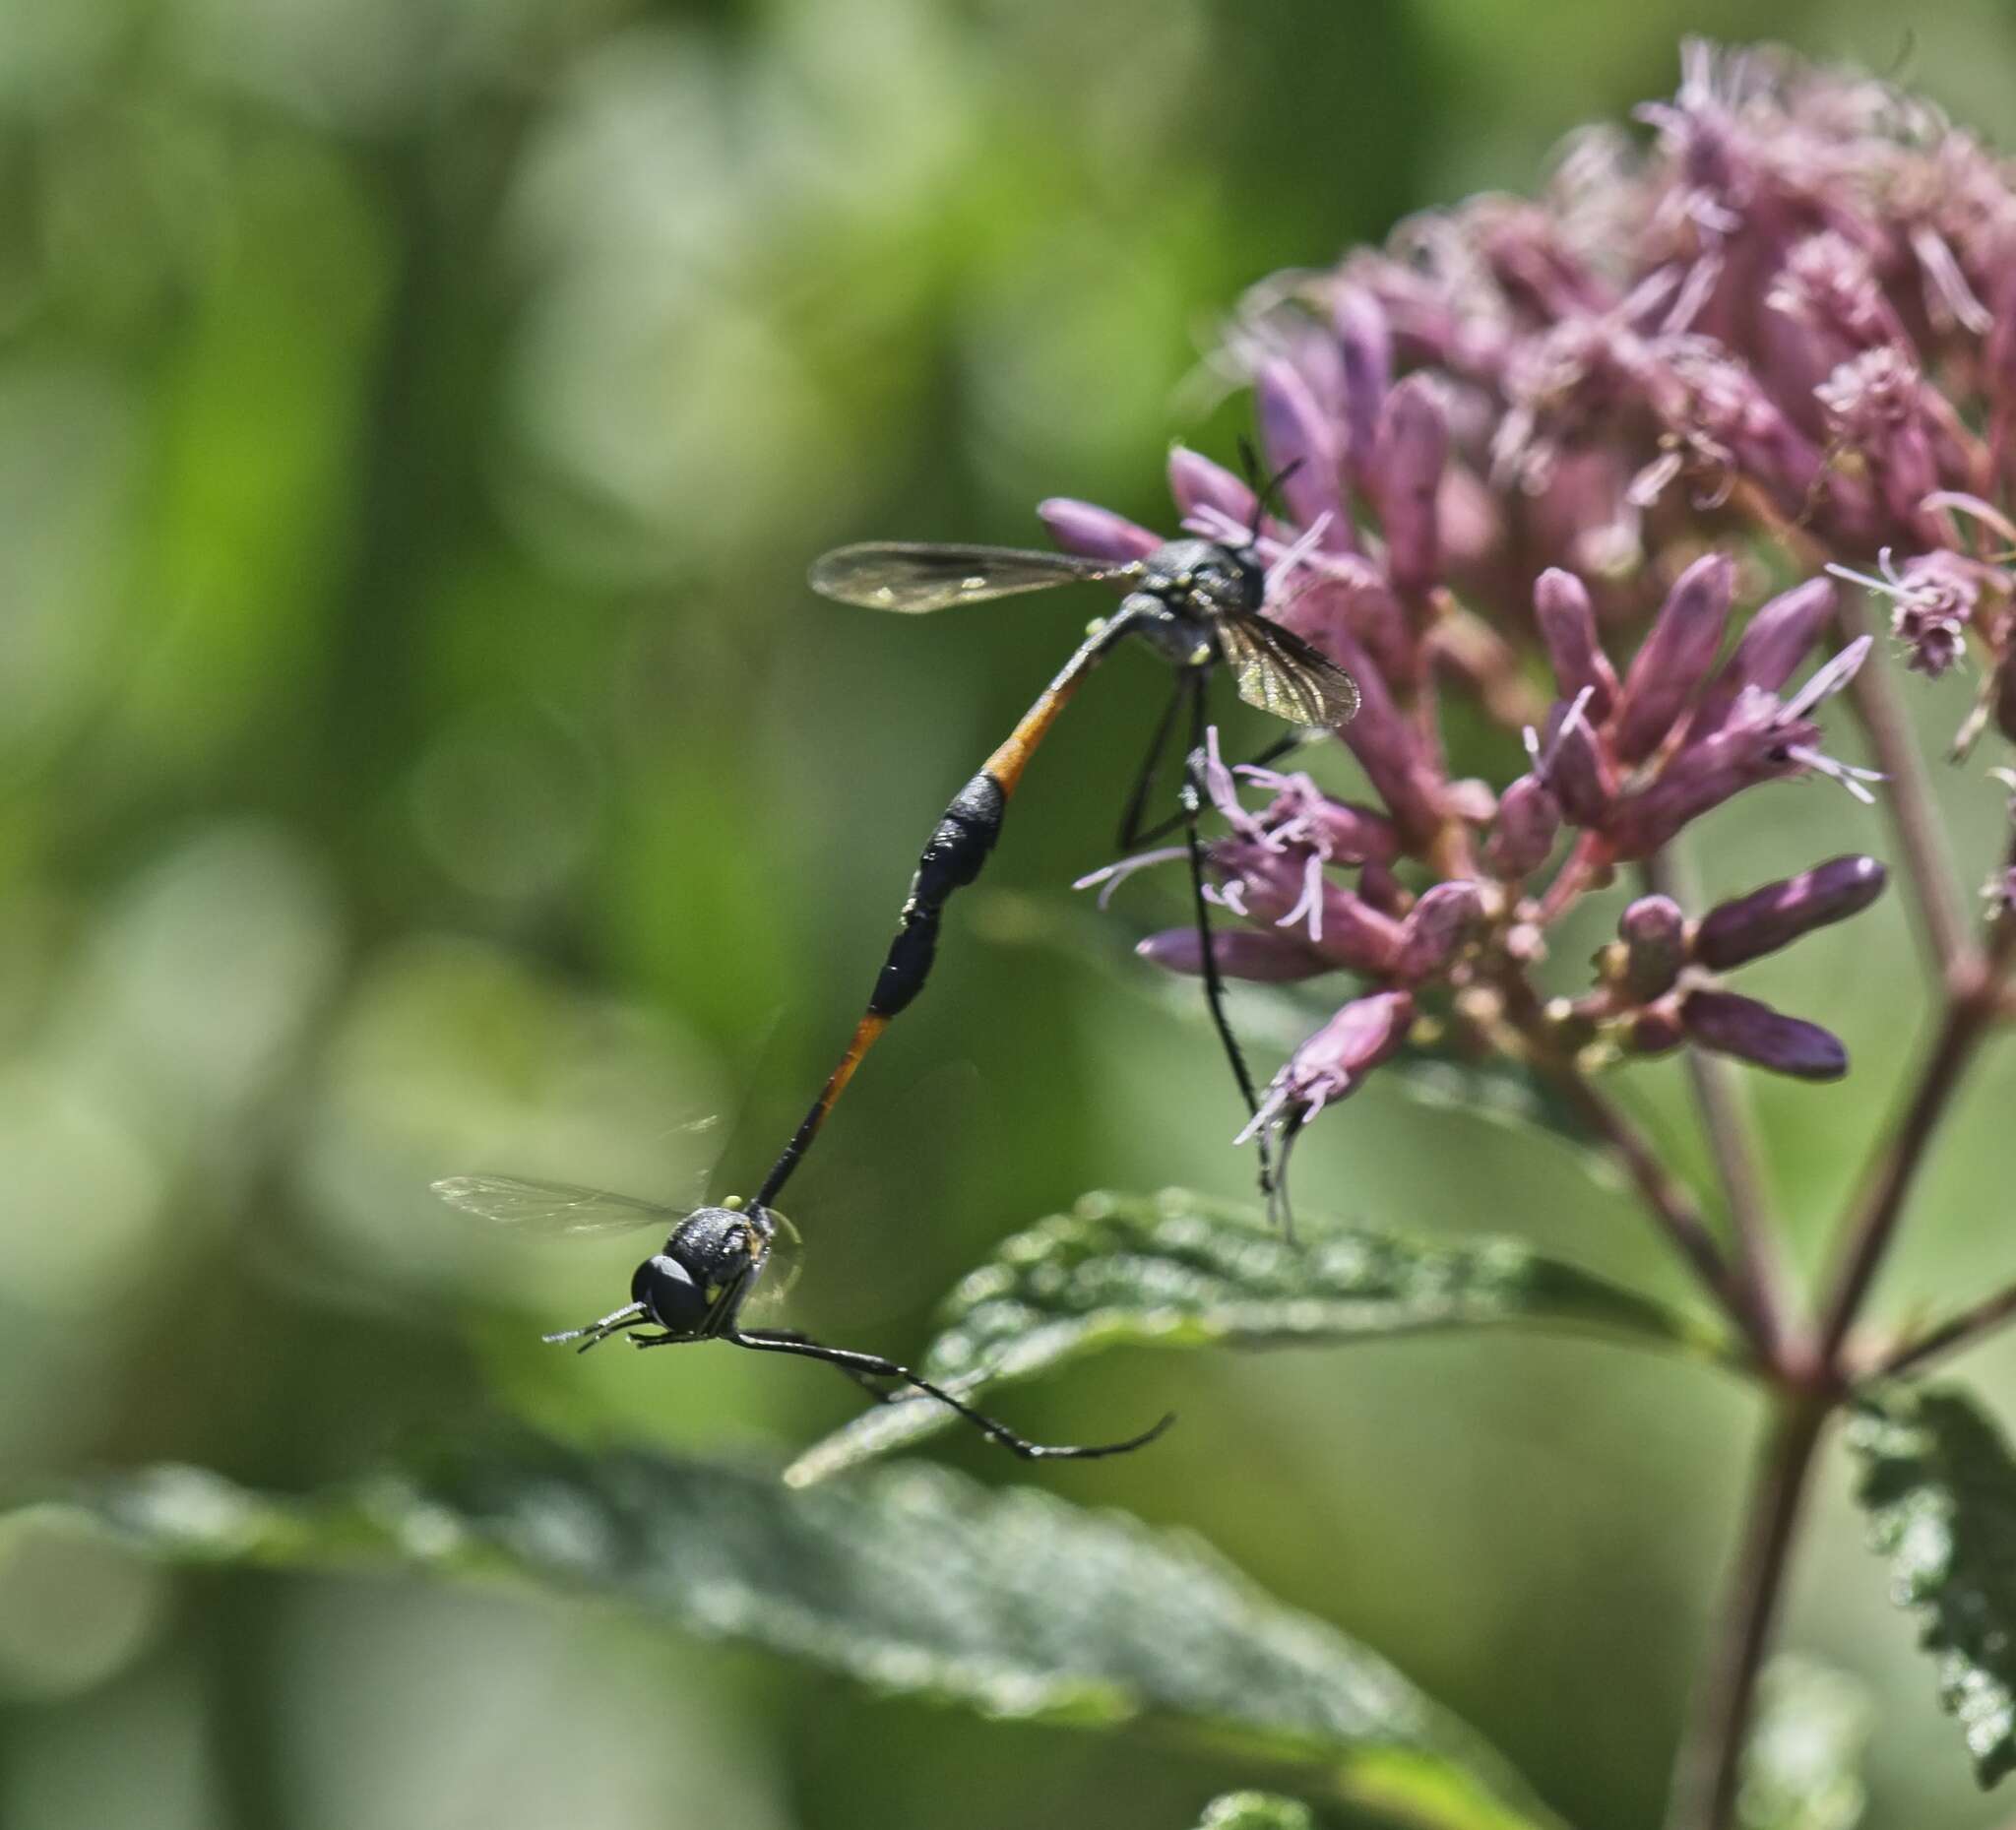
1932 873
1969 1325
1733 1143
1973 1002
1670 1207
1709 1762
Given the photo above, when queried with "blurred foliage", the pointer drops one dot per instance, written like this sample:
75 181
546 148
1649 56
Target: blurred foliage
418 755
1940 1490
1254 1810
1178 1270
913 1581
1803 1765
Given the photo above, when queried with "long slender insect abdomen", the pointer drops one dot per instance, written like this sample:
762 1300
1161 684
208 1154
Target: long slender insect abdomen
955 856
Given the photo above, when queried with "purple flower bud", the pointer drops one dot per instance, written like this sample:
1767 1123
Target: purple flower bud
1435 929
1770 652
1567 625
1240 952
1330 1065
1529 819
1412 449
1198 484
1780 913
1366 347
1388 746
1654 937
1702 777
1093 531
1674 658
1764 739
1358 598
1576 768
1295 432
1380 889
1285 887
1354 935
1654 1031
1756 1033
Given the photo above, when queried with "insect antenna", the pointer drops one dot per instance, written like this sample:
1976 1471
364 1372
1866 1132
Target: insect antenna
594 1334
1133 834
864 1366
1265 489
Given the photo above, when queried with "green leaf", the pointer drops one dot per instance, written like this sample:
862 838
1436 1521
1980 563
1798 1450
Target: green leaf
1255 1810
1940 1490
912 1580
1184 1270
1802 1766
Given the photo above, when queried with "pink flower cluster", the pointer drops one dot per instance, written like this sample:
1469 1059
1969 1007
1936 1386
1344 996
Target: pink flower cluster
1777 343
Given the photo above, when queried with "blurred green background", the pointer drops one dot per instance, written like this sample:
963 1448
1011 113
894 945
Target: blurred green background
418 753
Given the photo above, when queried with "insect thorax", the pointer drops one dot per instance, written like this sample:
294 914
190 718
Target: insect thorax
1187 589
712 1251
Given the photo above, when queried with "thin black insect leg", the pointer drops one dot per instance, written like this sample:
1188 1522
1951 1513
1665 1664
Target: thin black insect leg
869 1382
1192 797
765 1342
1285 745
1131 834
1273 753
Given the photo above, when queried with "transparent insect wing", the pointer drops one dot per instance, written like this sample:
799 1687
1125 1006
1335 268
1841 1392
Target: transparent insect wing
1278 671
913 576
782 1266
554 1210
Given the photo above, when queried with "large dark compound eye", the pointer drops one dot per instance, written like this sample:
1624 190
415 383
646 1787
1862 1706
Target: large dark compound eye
669 1294
694 1285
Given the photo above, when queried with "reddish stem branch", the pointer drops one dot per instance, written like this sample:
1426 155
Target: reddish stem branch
1731 1143
1670 1205
1969 1325
1972 1000
1708 1763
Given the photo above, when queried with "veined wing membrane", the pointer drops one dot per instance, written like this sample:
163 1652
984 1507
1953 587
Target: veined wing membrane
1279 672
781 1270
554 1208
913 576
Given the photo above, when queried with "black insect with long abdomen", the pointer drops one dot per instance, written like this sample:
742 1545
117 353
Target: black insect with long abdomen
700 1283
1198 603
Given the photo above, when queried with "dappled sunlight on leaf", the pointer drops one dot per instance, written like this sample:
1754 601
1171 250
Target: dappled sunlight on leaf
912 1580
1183 1269
1940 1490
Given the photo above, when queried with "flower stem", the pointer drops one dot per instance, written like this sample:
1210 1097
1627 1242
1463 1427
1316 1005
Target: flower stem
1670 1205
1706 1771
1934 877
1956 1331
1731 1142
1972 1000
